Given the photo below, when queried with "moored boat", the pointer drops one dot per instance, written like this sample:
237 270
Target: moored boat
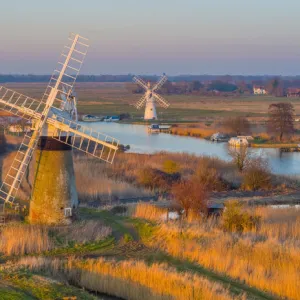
91 118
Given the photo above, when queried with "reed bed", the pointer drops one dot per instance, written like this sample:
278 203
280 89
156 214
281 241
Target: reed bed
127 166
267 257
20 239
131 279
194 132
24 239
149 212
94 182
281 225
84 232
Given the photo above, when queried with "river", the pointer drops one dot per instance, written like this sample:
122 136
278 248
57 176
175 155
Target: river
141 141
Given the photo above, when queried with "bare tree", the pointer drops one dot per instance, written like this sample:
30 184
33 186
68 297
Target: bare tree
189 196
281 119
240 157
237 125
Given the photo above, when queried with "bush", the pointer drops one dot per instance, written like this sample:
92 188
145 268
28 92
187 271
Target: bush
190 197
209 178
156 179
256 175
170 167
127 238
235 219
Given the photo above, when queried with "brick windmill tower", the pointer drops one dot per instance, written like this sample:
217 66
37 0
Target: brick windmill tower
56 132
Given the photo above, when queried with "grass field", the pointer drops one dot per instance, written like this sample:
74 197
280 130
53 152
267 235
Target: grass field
116 98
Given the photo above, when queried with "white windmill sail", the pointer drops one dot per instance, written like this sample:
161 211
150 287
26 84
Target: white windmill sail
49 111
151 97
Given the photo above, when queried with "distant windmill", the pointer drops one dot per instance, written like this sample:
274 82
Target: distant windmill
151 97
56 132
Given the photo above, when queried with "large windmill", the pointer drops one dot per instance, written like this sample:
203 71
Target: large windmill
56 132
151 97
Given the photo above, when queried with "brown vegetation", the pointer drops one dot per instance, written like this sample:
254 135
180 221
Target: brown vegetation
190 197
193 132
24 239
236 219
149 212
131 279
21 239
257 175
146 174
264 254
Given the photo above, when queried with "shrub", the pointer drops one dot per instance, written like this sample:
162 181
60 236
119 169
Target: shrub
235 219
190 197
127 238
156 179
170 167
256 175
209 177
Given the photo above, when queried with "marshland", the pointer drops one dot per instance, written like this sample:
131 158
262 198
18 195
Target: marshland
122 244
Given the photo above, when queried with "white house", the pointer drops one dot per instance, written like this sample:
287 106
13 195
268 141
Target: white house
259 90
239 141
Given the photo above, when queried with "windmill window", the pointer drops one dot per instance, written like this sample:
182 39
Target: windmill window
68 212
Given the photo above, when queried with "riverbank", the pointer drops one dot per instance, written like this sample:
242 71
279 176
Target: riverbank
270 145
206 133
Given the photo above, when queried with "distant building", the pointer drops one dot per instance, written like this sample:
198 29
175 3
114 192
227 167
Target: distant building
293 92
259 90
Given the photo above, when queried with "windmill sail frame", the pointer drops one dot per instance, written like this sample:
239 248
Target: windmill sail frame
49 111
151 97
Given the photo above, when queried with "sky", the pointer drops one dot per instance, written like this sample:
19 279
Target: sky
153 37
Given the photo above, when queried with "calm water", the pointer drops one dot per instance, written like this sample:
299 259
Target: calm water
141 141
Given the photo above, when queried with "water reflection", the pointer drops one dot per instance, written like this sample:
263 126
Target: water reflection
141 141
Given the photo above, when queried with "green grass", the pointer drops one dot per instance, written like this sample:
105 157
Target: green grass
25 285
171 114
81 249
13 293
